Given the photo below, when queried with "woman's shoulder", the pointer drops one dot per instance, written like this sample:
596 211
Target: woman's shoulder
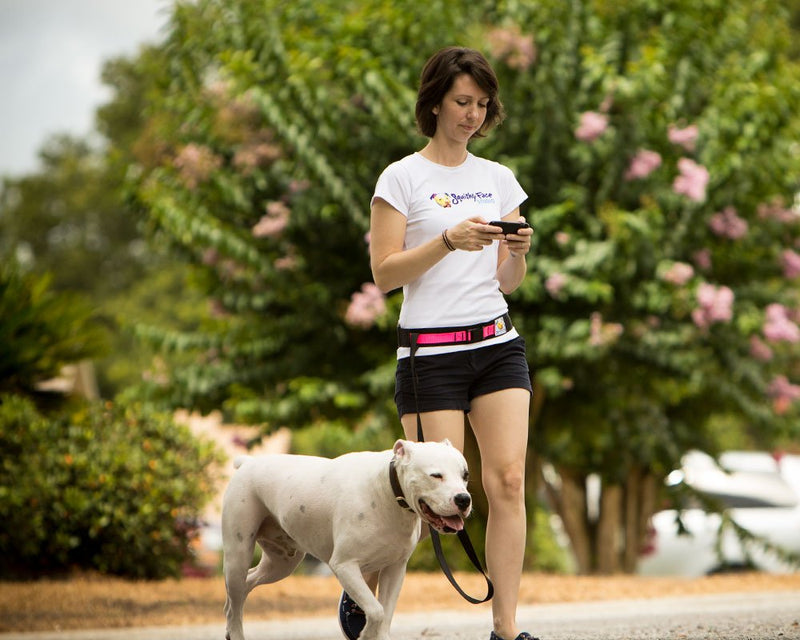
491 166
403 169
406 163
486 163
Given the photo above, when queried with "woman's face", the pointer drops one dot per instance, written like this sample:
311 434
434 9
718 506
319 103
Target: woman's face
462 111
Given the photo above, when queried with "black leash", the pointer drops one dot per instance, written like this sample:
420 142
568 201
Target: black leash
466 543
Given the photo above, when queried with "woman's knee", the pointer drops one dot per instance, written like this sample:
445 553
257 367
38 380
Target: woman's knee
506 483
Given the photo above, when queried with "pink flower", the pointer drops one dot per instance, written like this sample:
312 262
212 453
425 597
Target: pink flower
603 333
716 305
778 326
692 180
686 137
562 238
790 261
728 224
592 126
516 48
702 259
195 164
759 349
679 273
643 164
286 263
365 306
783 392
555 283
275 220
210 257
775 210
257 153
299 186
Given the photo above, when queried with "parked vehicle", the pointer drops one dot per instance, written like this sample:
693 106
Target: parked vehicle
757 491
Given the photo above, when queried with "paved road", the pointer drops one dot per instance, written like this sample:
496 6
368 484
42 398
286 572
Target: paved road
762 616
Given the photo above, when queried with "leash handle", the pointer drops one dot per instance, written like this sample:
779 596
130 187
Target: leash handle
463 536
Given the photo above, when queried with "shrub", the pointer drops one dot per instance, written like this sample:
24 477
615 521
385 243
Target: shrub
115 488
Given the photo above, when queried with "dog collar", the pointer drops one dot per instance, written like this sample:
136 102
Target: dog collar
396 488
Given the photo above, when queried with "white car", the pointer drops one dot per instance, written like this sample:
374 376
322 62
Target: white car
760 493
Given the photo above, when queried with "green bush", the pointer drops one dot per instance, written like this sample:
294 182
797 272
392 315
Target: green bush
116 488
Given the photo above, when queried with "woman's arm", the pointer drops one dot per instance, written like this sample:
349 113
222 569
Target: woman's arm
511 267
393 267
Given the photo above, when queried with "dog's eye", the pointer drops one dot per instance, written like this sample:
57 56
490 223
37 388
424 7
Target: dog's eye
466 476
438 476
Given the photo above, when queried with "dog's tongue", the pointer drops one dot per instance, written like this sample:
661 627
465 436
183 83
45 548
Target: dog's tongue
453 522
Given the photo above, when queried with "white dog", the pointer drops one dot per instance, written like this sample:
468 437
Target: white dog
359 513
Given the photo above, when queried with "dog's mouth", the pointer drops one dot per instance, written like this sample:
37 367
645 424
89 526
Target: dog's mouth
443 524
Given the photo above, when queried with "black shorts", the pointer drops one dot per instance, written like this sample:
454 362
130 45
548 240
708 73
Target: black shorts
452 380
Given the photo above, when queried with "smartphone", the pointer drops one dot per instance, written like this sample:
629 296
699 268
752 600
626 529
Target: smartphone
509 227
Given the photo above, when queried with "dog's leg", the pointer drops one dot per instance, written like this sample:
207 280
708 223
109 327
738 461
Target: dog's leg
389 585
235 570
240 524
351 579
277 562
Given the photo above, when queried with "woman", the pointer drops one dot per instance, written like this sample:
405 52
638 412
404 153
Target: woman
430 235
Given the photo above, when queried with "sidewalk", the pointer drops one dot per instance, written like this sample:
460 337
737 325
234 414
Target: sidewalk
756 616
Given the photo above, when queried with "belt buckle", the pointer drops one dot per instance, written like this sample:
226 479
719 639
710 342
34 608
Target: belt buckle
500 326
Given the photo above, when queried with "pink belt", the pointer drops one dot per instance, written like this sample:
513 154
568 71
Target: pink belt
445 336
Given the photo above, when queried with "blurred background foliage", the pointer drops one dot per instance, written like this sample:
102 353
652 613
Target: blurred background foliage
219 231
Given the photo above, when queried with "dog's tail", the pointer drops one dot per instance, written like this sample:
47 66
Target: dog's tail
240 460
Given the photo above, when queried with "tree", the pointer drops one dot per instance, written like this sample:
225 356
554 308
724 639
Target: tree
665 240
41 331
656 141
72 219
69 219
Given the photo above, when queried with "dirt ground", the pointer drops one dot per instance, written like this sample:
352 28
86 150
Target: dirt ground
100 602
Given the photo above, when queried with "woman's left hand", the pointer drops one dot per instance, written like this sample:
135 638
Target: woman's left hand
519 243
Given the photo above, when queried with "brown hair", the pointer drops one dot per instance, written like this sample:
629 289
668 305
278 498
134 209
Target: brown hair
438 75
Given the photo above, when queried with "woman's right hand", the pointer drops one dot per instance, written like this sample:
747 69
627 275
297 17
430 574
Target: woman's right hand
472 234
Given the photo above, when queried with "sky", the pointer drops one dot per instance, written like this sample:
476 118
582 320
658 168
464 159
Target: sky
51 56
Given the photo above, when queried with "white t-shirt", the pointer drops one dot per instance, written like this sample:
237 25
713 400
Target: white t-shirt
461 289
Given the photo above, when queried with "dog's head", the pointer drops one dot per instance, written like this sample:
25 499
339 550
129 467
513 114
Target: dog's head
434 476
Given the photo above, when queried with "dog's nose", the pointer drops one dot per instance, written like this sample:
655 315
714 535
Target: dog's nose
462 500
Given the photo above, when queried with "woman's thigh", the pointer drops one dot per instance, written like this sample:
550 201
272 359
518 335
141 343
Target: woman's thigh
500 423
436 426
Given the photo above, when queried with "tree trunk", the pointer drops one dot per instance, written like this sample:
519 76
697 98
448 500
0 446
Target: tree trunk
613 543
640 498
607 543
572 509
633 531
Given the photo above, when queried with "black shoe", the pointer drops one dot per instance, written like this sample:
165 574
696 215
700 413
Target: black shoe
351 617
522 636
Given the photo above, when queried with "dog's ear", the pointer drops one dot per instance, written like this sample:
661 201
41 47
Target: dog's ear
401 448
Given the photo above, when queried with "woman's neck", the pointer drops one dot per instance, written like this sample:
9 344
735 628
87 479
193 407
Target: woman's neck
446 155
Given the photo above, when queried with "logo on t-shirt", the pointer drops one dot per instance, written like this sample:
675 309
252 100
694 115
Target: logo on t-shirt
442 199
446 200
